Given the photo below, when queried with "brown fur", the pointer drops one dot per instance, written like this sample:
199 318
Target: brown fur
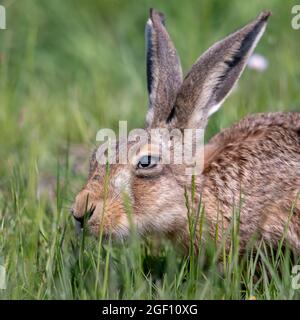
258 159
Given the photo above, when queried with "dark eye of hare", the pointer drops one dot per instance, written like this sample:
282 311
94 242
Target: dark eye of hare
147 162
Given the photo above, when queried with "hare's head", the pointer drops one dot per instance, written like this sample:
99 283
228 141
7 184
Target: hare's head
144 191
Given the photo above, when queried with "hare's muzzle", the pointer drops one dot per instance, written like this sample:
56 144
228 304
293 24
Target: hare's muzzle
106 217
83 208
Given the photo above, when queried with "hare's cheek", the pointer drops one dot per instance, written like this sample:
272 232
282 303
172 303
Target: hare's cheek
121 186
110 218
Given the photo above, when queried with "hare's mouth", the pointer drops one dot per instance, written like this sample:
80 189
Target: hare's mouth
107 222
82 221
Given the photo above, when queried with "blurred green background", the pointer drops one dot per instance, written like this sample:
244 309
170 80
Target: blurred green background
71 67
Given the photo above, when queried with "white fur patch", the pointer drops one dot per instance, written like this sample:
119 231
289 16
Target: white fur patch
122 182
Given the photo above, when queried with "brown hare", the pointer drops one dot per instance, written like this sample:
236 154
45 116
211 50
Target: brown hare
253 166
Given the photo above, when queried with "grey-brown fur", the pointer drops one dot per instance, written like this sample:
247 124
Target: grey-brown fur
253 167
257 159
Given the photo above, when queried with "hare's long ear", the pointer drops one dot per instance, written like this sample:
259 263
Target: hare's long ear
164 73
213 76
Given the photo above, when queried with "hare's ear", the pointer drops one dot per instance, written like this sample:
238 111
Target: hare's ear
213 76
164 73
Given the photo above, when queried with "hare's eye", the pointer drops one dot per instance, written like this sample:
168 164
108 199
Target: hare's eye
147 162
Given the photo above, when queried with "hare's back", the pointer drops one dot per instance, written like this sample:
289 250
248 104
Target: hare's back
257 160
246 126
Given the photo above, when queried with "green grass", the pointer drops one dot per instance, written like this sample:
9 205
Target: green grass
69 68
